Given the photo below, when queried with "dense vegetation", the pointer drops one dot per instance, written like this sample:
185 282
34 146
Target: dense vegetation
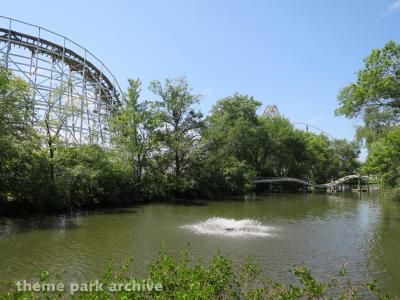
375 97
162 149
217 279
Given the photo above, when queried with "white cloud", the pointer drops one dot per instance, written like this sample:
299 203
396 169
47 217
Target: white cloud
394 6
207 92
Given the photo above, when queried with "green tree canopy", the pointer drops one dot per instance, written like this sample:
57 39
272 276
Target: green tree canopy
377 85
135 132
384 157
375 96
181 124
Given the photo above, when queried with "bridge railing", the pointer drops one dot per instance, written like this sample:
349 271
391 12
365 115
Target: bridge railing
302 181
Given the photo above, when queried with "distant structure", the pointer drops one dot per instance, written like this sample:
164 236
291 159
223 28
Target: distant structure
308 127
69 84
270 111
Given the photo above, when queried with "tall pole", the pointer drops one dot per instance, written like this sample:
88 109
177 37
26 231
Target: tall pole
8 43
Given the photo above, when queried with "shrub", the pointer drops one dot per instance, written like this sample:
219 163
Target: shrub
217 279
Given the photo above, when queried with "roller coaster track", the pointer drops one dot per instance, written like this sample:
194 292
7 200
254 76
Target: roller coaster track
316 185
74 61
67 81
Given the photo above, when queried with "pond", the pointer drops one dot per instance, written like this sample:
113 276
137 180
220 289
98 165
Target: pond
319 231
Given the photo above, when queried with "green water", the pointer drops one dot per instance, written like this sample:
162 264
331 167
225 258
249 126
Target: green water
318 231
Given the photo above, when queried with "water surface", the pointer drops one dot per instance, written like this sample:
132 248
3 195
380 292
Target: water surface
319 231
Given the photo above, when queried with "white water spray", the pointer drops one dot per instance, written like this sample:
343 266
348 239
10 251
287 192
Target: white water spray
231 228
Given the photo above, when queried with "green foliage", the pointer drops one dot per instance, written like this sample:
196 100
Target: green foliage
180 129
384 157
15 106
86 176
135 134
287 154
226 158
377 86
237 145
21 162
327 159
162 149
216 279
375 96
377 123
38 174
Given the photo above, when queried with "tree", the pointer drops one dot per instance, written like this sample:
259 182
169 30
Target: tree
88 176
19 157
181 125
375 96
384 158
135 131
229 151
234 128
51 126
16 106
346 155
378 84
286 152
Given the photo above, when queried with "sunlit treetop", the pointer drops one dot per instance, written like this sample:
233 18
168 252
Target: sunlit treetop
377 85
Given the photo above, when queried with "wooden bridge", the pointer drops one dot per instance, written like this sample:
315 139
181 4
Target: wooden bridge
316 185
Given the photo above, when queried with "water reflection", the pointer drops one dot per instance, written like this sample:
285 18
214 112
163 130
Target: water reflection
385 246
9 227
316 230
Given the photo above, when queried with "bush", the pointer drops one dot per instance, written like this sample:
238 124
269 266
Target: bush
86 177
217 279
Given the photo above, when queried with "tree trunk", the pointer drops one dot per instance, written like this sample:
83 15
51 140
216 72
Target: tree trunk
177 165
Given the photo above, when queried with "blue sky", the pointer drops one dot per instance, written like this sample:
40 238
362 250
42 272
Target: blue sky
296 54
